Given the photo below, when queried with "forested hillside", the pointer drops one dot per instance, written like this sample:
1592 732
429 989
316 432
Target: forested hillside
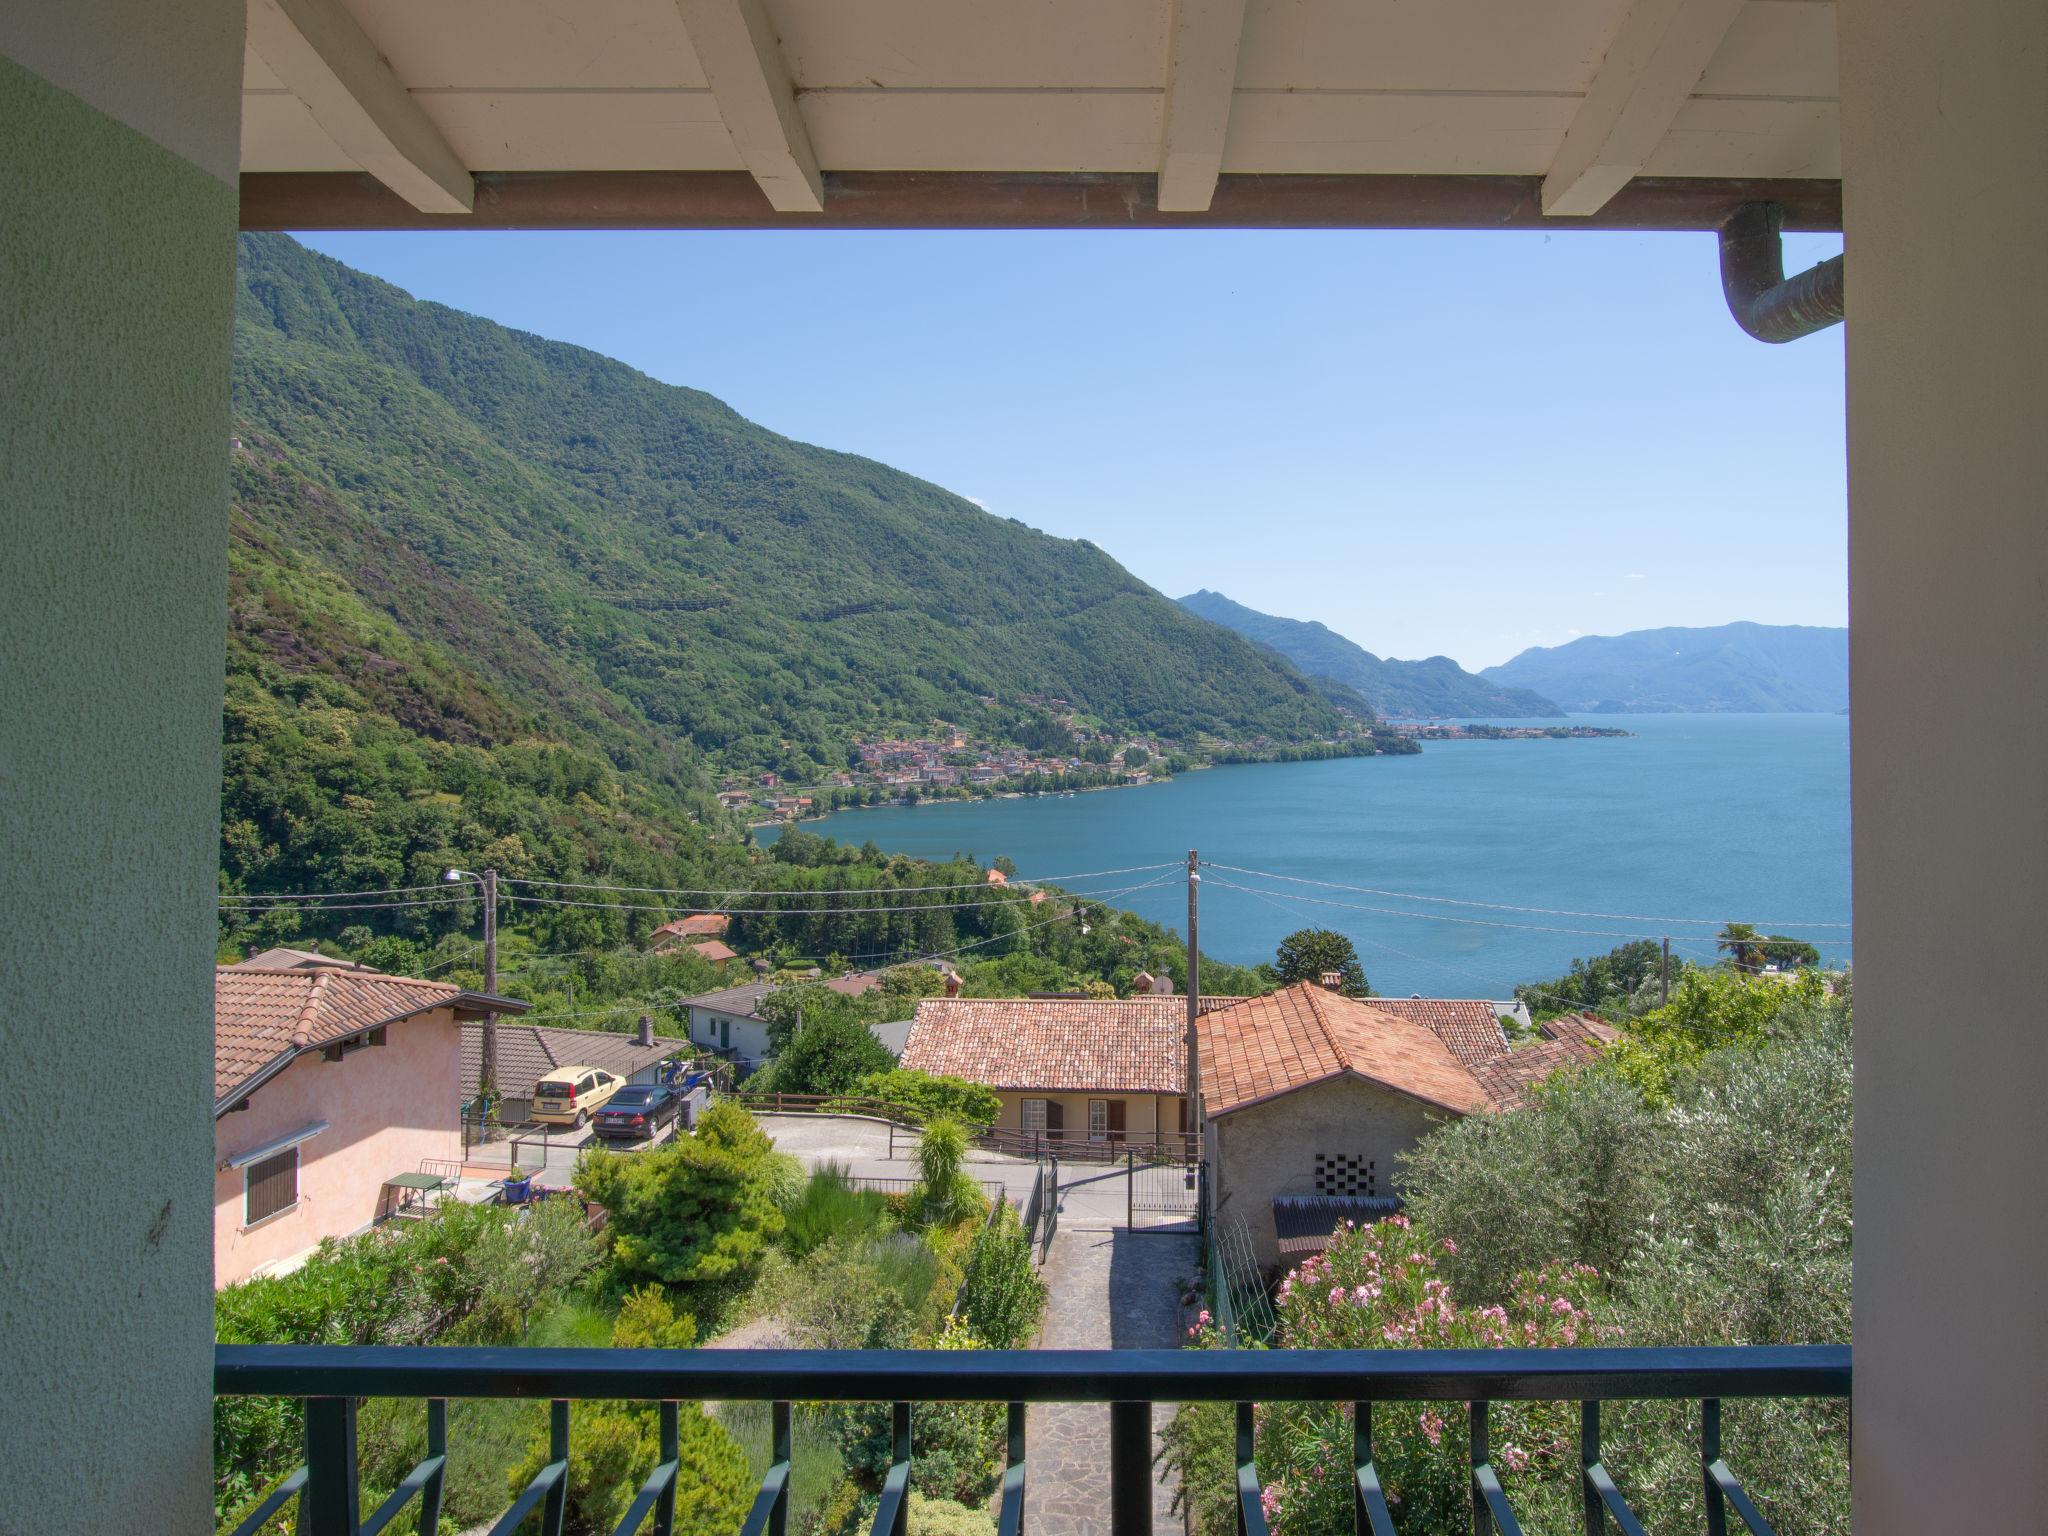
1434 688
641 559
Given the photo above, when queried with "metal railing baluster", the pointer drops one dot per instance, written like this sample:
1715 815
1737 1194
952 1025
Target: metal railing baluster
558 1454
1596 1487
1011 1520
1722 1486
892 1515
329 1506
1130 1469
1490 1511
424 1480
658 1493
770 1514
671 1455
1373 1517
1251 1508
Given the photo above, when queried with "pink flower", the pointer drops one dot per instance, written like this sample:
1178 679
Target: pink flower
1450 1246
442 1260
1203 1317
1336 1294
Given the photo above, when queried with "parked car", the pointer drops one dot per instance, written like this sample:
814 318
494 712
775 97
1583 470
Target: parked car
637 1112
571 1095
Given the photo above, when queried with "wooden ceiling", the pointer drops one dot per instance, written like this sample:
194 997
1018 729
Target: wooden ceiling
947 113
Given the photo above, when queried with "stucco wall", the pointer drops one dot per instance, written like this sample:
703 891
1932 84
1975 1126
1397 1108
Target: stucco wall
1270 1149
387 1109
1945 154
116 295
748 1037
1142 1112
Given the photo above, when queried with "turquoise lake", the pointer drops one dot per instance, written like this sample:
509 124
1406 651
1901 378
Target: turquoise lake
1692 821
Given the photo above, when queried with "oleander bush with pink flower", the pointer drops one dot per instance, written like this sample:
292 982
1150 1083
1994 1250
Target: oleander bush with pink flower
1593 1216
1381 1287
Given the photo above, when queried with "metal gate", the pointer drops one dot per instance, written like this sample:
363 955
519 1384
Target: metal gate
1161 1192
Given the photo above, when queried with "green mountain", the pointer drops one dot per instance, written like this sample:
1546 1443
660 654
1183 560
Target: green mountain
570 541
1401 690
1771 668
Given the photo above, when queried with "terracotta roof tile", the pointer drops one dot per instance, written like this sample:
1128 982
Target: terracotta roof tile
261 1017
710 924
1468 1025
1307 1034
1055 1044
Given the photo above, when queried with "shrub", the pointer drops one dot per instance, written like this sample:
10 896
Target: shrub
944 1193
612 1448
1378 1287
829 1208
942 1517
829 1055
1002 1297
930 1096
1571 1177
1709 1011
695 1211
647 1320
956 1448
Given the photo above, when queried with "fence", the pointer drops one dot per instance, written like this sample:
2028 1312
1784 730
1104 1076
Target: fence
1238 1302
1171 1188
332 1380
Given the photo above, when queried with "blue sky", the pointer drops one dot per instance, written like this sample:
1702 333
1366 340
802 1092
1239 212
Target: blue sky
1455 443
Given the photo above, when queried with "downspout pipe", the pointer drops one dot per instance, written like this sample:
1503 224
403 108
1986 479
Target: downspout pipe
1765 302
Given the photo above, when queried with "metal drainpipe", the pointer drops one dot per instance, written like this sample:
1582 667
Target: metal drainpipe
1767 304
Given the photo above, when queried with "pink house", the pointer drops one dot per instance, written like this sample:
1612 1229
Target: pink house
328 1084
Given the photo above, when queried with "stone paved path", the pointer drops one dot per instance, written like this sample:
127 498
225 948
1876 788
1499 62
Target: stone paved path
1109 1289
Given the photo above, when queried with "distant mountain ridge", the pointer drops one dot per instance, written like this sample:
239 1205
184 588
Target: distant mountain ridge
1726 669
1435 688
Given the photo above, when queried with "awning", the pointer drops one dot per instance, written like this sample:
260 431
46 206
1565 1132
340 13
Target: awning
272 1148
1302 1224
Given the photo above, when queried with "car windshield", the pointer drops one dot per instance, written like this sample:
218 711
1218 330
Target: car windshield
630 1098
553 1090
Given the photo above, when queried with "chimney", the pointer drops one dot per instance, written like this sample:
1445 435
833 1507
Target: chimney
952 984
1334 980
1142 982
646 1029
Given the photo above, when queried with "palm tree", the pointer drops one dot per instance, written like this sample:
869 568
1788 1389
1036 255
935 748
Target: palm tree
1742 944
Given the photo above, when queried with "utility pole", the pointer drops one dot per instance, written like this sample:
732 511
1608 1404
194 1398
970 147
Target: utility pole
487 1079
1664 975
1194 1047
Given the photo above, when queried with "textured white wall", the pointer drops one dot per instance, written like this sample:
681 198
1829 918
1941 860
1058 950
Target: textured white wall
116 300
172 72
1945 150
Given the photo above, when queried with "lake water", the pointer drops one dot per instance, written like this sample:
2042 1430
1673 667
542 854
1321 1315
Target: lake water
1692 821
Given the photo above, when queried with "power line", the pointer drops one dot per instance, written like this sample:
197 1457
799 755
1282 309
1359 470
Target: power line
879 890
1500 906
230 904
393 890
1471 922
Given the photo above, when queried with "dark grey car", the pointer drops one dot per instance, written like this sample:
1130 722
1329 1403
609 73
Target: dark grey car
636 1112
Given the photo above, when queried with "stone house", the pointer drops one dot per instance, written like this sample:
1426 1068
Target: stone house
1311 1098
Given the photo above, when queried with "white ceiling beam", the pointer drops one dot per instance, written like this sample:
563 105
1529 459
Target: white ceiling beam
742 59
1656 58
1201 75
328 62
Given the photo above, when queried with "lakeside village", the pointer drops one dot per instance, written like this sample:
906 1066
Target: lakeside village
948 763
951 1153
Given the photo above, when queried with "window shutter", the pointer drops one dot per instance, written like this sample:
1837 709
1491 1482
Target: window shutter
272 1185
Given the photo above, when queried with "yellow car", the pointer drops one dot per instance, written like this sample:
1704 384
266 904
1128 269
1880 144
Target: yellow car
571 1095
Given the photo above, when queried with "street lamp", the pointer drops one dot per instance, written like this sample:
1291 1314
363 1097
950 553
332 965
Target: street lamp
487 1075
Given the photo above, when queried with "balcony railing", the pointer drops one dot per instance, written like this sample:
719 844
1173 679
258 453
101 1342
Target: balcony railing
331 1379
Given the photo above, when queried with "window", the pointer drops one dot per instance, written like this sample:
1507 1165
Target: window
270 1187
1034 1117
353 1043
1098 1119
